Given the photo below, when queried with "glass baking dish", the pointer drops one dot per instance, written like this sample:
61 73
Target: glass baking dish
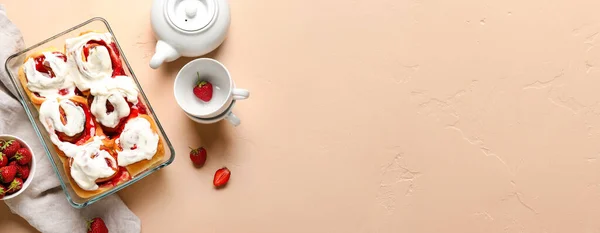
16 60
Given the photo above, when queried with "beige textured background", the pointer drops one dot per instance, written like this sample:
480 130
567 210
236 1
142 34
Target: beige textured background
375 116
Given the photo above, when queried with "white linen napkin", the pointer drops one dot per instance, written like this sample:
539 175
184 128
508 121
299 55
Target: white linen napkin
44 204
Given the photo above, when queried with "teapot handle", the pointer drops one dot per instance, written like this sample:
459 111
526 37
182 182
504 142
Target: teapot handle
163 52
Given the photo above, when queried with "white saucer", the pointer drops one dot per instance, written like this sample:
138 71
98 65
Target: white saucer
212 119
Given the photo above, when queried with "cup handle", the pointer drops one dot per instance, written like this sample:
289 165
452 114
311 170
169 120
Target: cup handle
233 119
240 94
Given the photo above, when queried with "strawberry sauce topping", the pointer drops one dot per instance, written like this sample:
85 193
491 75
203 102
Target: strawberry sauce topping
117 66
122 175
134 111
42 68
141 108
88 131
63 91
78 92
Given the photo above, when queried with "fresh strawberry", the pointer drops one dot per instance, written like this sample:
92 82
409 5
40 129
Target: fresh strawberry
198 156
10 147
97 225
14 163
15 186
3 159
7 174
221 177
203 90
2 191
23 172
23 156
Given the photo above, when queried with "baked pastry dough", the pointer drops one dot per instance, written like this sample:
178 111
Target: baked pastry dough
46 74
92 112
139 139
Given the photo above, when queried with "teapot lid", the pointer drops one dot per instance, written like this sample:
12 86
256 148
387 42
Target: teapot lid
190 15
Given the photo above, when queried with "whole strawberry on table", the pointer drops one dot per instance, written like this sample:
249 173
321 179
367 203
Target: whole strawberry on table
15 162
97 225
198 157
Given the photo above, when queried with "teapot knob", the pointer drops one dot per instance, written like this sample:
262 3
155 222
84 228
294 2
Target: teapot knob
190 11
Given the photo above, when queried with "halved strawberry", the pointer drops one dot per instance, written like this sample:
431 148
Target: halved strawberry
221 177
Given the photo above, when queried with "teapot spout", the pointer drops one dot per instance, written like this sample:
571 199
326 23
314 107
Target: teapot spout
163 53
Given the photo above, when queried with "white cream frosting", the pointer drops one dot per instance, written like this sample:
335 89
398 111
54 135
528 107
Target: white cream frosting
121 109
89 164
121 84
118 91
96 77
45 85
138 133
88 161
98 62
98 65
50 116
96 72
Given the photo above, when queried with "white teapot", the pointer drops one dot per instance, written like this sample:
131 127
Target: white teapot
188 28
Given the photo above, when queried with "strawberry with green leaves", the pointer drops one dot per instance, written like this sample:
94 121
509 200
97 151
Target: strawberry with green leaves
198 156
10 147
15 185
7 174
203 90
97 225
23 156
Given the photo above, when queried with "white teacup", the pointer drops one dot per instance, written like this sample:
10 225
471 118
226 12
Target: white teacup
224 90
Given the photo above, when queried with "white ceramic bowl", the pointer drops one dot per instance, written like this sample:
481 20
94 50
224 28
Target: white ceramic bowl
31 169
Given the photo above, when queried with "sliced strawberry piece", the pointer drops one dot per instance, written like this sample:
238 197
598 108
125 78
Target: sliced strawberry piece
221 177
